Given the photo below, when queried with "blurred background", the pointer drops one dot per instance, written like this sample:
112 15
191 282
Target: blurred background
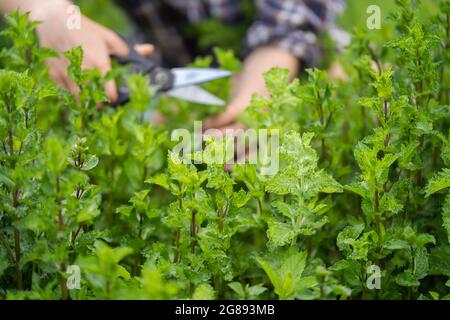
107 13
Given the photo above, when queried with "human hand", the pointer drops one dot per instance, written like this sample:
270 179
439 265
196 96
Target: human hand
251 81
227 119
98 42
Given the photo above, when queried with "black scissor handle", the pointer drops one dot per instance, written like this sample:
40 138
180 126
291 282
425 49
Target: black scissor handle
136 61
160 78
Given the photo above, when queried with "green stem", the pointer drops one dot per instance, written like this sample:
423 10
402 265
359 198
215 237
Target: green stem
193 244
322 291
377 214
4 148
178 235
322 123
217 285
309 246
376 60
222 213
15 200
177 245
137 260
324 149
10 138
17 246
259 207
8 248
62 281
58 202
193 232
62 264
75 234
18 257
447 94
419 180
112 183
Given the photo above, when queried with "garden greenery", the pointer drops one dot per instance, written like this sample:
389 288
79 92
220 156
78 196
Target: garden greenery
363 182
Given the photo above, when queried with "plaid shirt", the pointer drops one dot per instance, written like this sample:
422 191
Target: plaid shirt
290 24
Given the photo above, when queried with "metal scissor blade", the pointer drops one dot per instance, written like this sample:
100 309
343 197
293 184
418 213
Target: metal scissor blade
189 76
195 94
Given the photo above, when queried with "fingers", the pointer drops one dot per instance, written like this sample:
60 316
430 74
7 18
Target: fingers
71 86
104 67
232 129
144 50
58 73
98 55
115 44
111 91
100 59
158 118
222 119
118 47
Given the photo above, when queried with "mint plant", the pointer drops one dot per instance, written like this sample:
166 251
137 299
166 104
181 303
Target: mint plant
359 207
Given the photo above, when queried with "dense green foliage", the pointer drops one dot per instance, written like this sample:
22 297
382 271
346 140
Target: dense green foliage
363 180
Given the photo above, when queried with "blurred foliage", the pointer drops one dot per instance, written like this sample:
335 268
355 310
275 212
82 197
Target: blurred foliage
105 12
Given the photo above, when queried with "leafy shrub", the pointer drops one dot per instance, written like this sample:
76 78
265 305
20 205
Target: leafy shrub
363 181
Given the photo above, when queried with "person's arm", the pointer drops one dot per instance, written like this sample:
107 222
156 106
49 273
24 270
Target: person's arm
98 42
11 5
285 35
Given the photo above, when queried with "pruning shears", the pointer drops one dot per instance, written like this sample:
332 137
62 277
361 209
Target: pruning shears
181 83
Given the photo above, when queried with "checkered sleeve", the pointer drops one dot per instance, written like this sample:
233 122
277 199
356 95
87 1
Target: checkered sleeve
293 25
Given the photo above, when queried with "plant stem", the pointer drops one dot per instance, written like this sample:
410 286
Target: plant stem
222 213
58 202
377 213
10 137
15 200
178 234
62 264
4 148
111 193
322 123
137 260
18 256
434 157
442 92
259 207
375 59
324 149
419 180
447 93
193 232
17 246
322 291
191 289
8 248
177 245
309 246
141 223
62 281
217 285
76 233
